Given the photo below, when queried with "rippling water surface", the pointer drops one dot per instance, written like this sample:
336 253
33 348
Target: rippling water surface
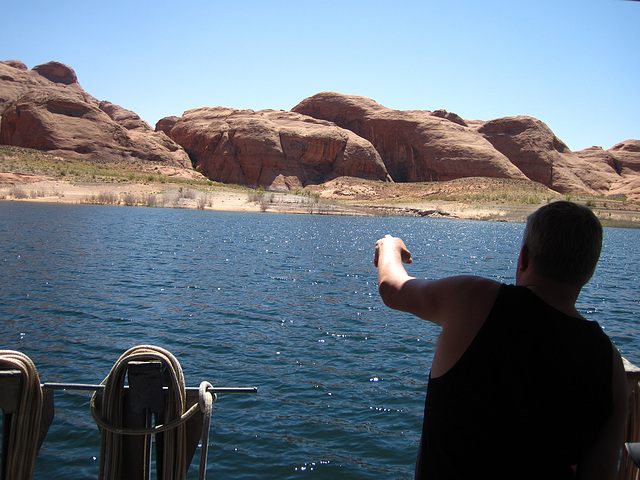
286 303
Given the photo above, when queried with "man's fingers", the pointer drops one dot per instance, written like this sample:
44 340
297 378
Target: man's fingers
405 254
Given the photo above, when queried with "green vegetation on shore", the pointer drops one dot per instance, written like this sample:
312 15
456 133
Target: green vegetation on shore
26 161
174 187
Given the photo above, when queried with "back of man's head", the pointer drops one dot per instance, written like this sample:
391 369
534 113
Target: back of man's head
564 241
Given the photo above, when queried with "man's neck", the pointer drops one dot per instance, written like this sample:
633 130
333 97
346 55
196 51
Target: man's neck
560 296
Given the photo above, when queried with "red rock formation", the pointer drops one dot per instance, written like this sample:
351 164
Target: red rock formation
452 117
532 147
627 155
414 145
274 149
166 124
535 150
617 169
602 168
126 118
17 64
57 72
45 108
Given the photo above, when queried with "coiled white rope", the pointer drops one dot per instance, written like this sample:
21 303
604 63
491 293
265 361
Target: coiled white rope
110 420
22 444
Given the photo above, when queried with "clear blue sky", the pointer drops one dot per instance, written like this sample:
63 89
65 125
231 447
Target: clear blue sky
574 64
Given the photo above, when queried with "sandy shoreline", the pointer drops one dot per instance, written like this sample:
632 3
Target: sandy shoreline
44 190
31 188
228 199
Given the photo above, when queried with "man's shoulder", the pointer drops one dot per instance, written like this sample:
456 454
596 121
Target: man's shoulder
474 287
472 297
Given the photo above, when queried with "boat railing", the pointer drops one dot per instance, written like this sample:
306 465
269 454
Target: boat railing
630 458
155 403
144 403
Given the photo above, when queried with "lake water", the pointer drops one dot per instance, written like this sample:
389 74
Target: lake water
286 303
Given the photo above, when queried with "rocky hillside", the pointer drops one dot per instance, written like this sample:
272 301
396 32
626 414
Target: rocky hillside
421 146
275 149
326 136
46 109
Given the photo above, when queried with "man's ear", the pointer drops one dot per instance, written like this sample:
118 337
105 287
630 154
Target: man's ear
523 259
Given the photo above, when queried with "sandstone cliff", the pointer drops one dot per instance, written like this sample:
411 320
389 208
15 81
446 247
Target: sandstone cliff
618 168
325 136
439 145
274 149
45 108
532 147
416 146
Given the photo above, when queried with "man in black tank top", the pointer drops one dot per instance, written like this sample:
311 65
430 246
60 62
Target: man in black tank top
521 385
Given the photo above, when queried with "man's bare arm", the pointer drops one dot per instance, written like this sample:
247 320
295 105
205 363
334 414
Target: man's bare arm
445 301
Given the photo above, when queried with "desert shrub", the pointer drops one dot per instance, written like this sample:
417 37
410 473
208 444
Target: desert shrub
170 198
129 199
256 197
151 200
18 193
106 198
188 193
202 202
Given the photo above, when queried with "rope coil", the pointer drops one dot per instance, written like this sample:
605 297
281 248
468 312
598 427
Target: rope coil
22 445
24 418
144 431
110 419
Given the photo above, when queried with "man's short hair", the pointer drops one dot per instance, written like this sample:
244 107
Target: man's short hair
564 241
